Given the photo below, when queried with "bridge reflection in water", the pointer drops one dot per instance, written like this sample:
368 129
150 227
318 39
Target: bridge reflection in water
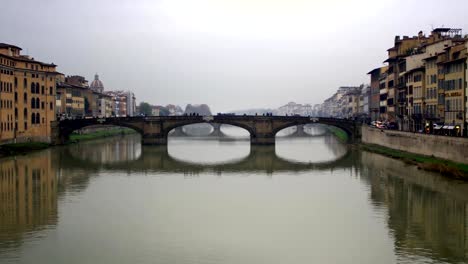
426 215
158 159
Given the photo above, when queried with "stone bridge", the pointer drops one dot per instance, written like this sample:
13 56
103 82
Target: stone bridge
155 129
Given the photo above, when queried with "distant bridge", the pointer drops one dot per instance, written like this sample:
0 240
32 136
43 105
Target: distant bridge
155 129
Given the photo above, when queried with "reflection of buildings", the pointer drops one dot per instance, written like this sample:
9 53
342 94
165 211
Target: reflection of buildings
109 150
425 219
28 195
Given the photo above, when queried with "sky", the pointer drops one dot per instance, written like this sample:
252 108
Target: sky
229 54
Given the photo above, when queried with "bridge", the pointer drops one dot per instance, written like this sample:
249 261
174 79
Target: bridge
155 129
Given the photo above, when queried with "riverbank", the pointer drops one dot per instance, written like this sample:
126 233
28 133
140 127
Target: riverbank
339 133
75 137
21 148
447 168
15 149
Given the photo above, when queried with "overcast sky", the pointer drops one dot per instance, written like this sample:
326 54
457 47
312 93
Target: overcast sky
230 54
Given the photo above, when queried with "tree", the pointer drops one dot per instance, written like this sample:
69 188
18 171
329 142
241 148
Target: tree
145 109
163 111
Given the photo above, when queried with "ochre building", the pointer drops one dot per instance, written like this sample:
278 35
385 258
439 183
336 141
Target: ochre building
27 97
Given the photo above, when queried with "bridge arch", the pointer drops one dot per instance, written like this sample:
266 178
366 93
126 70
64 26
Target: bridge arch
347 127
65 128
181 124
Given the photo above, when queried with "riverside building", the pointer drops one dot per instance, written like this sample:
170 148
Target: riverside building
425 85
27 96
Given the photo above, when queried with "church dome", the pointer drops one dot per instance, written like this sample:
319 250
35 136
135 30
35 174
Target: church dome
97 85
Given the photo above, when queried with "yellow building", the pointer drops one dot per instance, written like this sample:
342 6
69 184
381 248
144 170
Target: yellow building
27 97
432 114
70 101
415 83
452 80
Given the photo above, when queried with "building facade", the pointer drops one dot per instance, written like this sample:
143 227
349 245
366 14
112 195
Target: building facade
27 97
429 83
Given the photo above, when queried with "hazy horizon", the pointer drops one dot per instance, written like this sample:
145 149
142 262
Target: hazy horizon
231 54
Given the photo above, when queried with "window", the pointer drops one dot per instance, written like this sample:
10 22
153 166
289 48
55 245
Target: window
25 98
25 83
38 103
42 89
51 90
38 118
33 103
25 125
16 82
33 88
43 105
16 97
51 106
33 118
417 78
37 88
25 114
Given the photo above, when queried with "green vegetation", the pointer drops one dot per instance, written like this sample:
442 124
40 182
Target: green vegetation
429 163
339 133
75 137
145 109
21 148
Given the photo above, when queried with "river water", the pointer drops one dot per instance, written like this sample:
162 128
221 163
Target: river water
305 200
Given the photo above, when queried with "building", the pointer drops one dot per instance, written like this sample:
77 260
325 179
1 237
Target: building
97 85
424 85
123 103
70 101
374 99
27 96
74 99
293 108
104 105
452 80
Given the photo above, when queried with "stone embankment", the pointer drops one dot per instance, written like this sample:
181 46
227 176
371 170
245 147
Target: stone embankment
449 148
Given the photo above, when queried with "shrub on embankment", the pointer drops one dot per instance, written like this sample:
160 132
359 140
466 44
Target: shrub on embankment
445 167
75 137
339 133
21 148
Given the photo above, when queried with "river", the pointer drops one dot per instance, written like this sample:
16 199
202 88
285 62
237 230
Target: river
305 200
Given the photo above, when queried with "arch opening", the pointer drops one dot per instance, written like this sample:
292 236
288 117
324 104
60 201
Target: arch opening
218 128
342 132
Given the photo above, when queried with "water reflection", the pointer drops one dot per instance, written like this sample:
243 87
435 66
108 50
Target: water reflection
28 197
114 149
425 215
210 152
310 149
195 157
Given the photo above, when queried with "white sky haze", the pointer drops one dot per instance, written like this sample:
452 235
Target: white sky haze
230 54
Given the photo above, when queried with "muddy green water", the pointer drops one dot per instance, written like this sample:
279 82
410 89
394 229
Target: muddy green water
305 200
